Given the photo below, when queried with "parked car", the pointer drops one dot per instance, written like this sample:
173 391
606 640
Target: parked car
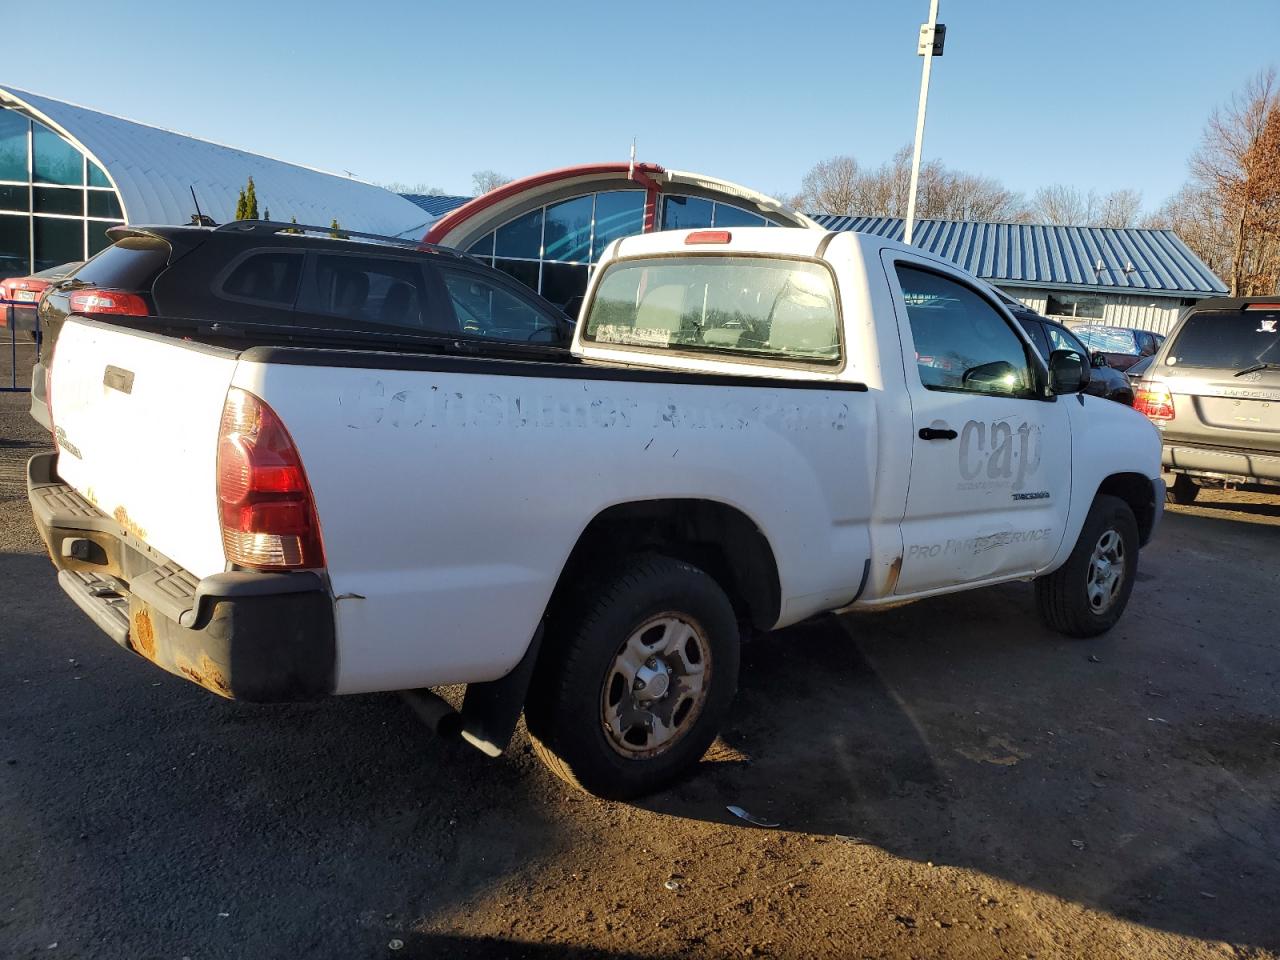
1122 346
21 296
1049 335
283 280
1213 392
731 443
1139 369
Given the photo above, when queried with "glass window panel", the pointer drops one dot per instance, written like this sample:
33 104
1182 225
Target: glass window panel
485 309
961 341
371 290
98 239
619 213
1227 340
58 242
14 198
97 177
568 230
55 200
682 213
727 216
266 278
523 270
482 247
749 307
13 146
53 160
562 282
105 204
521 237
15 246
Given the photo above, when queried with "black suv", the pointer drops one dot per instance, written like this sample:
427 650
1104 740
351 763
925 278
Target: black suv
299 283
1048 335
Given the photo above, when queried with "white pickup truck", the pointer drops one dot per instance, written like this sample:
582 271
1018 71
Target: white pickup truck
753 427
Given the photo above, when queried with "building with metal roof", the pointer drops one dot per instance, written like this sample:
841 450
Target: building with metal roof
68 172
436 204
1122 276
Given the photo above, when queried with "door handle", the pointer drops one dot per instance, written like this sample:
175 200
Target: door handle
932 433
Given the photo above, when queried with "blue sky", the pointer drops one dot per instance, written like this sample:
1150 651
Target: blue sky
1099 94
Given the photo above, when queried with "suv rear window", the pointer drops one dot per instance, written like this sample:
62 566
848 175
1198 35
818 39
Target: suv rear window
748 307
1227 340
130 264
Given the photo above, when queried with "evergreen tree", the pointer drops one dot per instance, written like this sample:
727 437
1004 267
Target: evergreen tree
241 206
266 214
335 230
250 201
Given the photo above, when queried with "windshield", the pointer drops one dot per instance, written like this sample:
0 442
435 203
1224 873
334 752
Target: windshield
746 306
1108 339
1232 340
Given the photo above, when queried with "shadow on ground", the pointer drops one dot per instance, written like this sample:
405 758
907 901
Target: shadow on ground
1137 773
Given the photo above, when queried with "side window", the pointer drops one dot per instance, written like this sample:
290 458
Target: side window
1036 331
268 277
1059 339
375 290
485 309
962 342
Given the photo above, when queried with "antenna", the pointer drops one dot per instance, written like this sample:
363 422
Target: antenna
631 170
199 219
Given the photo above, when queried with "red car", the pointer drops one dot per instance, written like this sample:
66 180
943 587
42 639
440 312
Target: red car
1122 346
21 295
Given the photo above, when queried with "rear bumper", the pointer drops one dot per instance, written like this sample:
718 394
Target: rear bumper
261 637
1221 463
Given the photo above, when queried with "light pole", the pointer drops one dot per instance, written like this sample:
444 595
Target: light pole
932 36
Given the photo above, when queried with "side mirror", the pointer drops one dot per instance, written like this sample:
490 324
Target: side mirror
1000 376
1068 372
1098 359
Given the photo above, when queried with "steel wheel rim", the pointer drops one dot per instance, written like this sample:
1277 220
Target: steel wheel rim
1107 569
656 686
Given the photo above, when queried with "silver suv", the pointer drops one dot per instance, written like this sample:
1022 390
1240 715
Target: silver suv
1213 391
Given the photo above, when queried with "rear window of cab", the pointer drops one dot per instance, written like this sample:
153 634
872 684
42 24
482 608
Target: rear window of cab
738 307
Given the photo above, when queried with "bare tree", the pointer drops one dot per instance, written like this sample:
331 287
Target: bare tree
1119 208
1195 214
1067 206
840 186
831 186
1239 161
482 181
423 189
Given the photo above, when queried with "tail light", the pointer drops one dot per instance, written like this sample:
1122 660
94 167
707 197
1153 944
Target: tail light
108 301
1154 400
264 501
708 236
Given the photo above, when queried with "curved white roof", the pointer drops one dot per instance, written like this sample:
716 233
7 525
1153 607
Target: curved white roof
153 171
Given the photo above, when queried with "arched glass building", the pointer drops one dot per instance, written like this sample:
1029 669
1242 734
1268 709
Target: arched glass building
67 173
56 203
547 230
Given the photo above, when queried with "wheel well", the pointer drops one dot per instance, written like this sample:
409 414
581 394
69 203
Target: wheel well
1135 490
713 536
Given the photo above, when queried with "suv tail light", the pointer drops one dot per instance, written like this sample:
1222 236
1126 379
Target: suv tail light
108 301
1154 400
265 505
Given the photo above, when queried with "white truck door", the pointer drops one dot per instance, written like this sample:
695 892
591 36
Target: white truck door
991 456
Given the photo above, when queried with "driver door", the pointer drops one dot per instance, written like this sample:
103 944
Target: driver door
991 455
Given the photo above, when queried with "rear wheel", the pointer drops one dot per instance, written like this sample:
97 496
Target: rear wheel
1183 490
1087 594
632 690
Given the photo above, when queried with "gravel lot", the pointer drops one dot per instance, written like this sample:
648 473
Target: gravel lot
949 779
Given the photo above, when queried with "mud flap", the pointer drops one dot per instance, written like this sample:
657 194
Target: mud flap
491 710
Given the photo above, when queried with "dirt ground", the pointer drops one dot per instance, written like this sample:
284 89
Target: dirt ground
948 779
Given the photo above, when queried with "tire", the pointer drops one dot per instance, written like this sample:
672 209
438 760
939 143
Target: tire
1080 599
1182 491
587 713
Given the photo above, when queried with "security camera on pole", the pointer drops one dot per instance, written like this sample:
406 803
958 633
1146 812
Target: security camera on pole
932 36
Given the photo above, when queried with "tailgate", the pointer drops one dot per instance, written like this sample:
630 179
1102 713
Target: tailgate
136 417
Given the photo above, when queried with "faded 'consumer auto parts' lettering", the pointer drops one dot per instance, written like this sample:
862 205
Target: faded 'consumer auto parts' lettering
372 404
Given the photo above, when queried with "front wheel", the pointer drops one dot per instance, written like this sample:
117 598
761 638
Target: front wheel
1087 594
633 687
